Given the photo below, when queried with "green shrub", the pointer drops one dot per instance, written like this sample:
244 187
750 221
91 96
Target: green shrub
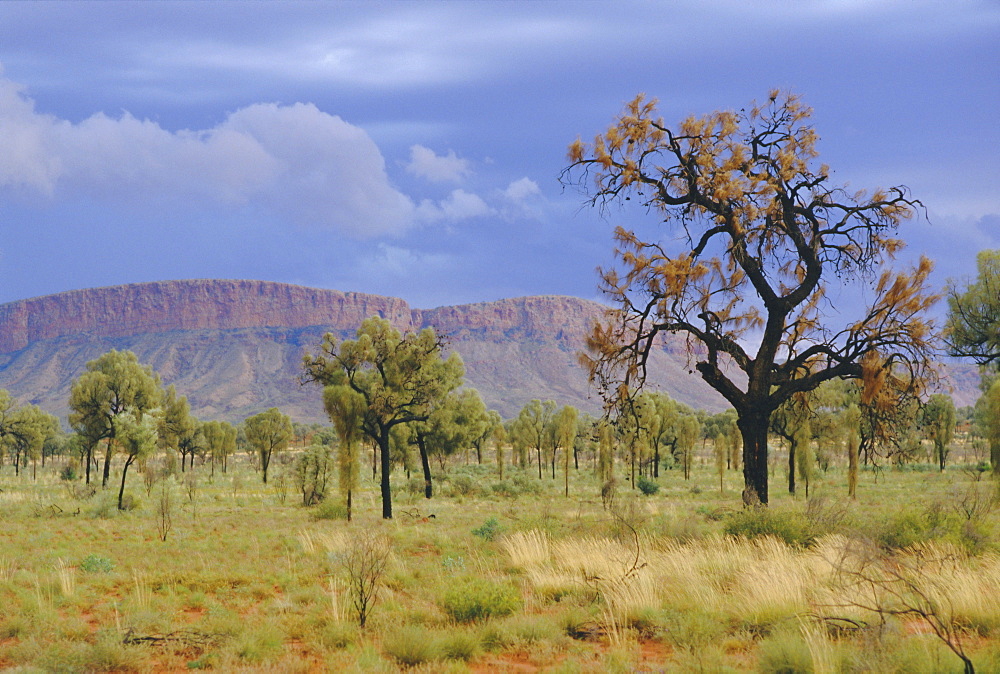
647 486
411 646
68 473
464 485
489 530
791 527
330 509
96 564
480 599
784 652
460 645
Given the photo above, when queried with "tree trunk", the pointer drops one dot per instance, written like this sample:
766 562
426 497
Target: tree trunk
107 465
383 445
539 451
426 465
791 467
656 459
753 428
121 490
265 461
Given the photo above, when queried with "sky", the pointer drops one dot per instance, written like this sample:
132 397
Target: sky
414 149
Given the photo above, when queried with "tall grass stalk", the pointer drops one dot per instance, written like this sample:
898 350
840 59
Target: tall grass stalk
67 578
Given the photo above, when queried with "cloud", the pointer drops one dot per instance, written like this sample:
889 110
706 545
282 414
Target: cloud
388 260
296 162
521 189
459 205
424 163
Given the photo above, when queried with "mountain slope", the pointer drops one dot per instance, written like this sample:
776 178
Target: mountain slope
235 347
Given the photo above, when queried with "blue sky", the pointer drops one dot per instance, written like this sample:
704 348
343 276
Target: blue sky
413 148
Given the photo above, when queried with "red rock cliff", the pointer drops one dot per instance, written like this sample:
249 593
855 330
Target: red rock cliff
144 308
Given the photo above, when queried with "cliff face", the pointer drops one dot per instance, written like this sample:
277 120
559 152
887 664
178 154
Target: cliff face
143 308
235 347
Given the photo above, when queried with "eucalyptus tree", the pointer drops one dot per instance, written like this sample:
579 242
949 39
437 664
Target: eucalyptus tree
268 432
111 385
529 427
564 433
939 425
346 410
137 435
220 441
754 239
400 377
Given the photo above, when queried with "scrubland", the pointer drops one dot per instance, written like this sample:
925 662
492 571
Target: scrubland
220 572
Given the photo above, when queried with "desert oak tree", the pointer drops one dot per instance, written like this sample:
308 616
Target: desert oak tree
400 377
755 234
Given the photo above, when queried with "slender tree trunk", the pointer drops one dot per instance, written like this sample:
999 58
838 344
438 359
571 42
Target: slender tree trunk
426 465
107 465
656 459
121 490
349 493
554 450
791 467
539 451
753 427
383 445
89 457
265 461
479 453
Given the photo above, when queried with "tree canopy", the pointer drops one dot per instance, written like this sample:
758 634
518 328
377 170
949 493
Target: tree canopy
973 327
400 378
756 235
111 385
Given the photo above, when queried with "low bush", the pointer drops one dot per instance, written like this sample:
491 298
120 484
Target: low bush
480 599
489 530
330 509
791 527
647 486
96 564
411 646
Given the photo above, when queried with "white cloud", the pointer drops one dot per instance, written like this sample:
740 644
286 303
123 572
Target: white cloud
522 189
400 262
426 164
459 205
296 161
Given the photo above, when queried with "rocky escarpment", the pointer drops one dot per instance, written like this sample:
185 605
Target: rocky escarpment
235 347
143 308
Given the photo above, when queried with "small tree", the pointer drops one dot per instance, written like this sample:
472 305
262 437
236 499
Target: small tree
364 562
137 436
346 410
939 424
564 433
400 378
528 429
268 432
113 383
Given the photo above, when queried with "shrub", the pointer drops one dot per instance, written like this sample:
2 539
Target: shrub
411 646
480 599
68 473
790 527
785 652
96 564
463 485
647 486
330 510
460 645
489 530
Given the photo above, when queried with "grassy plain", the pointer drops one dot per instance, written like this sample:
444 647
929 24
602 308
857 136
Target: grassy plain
505 576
